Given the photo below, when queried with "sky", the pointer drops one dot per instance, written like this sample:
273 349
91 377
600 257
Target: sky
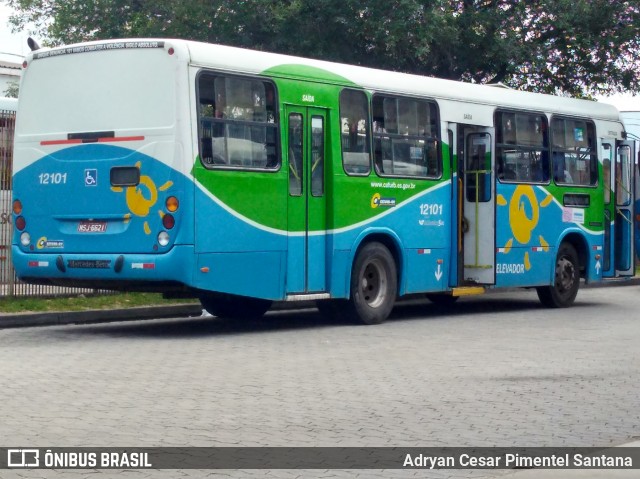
17 43
11 42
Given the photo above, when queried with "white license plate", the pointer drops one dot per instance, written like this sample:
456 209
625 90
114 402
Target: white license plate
92 227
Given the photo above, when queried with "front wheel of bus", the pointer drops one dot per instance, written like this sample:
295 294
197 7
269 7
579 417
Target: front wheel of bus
234 307
374 284
566 281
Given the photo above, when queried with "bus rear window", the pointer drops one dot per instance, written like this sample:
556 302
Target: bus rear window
108 90
237 122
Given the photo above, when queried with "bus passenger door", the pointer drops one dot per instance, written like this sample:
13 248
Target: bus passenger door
623 241
305 152
478 204
607 153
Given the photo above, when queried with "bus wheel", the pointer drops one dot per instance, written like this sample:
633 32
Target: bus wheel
374 284
566 282
234 307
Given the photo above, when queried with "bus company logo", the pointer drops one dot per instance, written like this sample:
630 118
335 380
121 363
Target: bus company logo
524 216
142 197
44 243
377 201
23 458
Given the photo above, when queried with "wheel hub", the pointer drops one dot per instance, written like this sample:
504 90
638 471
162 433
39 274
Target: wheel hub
373 284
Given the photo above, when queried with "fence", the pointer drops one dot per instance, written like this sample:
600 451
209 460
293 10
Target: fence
9 284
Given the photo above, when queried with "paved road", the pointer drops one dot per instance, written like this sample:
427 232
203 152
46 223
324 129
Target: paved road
497 370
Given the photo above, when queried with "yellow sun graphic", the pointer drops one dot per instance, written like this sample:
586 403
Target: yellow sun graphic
522 225
142 197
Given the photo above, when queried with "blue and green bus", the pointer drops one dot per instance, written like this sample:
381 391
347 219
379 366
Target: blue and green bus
244 177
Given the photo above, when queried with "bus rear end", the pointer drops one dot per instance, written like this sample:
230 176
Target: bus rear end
101 194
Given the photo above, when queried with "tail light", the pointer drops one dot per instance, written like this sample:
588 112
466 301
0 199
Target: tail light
172 204
168 221
20 223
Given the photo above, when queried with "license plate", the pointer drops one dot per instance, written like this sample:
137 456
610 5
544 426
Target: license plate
92 227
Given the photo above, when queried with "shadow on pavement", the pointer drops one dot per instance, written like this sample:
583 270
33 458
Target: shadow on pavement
310 318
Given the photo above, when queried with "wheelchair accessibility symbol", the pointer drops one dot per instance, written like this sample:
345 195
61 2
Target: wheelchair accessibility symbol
91 177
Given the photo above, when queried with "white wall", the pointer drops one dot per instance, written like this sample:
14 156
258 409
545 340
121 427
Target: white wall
10 70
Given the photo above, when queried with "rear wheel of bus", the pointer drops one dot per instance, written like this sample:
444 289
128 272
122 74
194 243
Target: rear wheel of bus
234 307
374 284
566 280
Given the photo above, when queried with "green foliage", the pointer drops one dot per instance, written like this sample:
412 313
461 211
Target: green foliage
23 304
13 88
577 47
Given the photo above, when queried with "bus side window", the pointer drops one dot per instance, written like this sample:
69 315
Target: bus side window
354 132
406 137
575 160
522 147
238 122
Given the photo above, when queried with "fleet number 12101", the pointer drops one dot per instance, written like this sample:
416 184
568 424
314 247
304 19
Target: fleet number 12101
428 209
52 178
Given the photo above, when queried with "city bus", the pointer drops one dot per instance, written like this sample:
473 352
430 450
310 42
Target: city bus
631 120
242 178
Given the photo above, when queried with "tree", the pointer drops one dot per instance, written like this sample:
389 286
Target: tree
576 47
13 89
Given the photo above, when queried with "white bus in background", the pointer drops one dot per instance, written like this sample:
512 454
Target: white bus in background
631 121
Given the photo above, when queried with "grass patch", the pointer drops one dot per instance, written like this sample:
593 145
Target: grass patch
25 304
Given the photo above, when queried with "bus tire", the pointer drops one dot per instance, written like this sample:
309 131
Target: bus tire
234 307
566 280
374 285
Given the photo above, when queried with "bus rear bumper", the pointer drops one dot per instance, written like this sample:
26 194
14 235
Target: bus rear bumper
50 268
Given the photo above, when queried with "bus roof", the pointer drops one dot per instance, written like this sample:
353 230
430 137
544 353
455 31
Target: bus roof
249 61
253 62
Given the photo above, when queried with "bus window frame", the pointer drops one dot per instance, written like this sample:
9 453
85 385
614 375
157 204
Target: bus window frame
595 154
276 112
519 147
439 143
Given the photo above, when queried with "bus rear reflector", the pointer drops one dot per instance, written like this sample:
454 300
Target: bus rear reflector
75 141
38 264
143 266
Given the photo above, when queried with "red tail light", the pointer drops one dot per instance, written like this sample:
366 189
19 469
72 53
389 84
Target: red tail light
168 221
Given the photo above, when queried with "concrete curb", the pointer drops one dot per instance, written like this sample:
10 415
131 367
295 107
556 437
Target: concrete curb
23 320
